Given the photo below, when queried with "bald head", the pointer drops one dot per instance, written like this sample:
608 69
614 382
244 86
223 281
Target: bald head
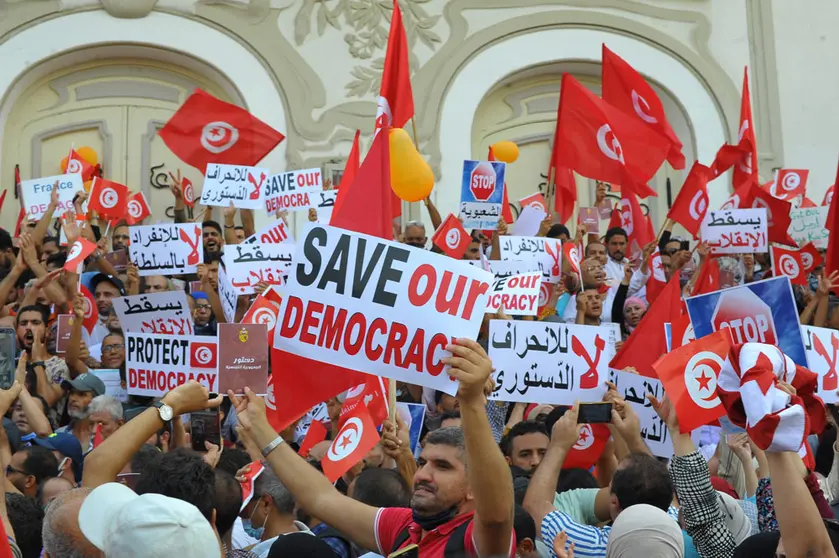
61 533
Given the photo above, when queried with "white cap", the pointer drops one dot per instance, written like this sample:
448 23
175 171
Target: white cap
120 523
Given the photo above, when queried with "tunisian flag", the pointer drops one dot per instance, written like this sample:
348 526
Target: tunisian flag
746 166
108 198
777 215
589 447
357 437
353 163
76 164
452 238
206 130
790 183
396 99
372 394
789 263
624 88
137 208
831 257
689 375
602 142
692 201
565 196
80 249
633 221
708 279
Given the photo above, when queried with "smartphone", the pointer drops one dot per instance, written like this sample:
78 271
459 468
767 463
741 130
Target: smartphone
410 551
591 413
205 426
8 341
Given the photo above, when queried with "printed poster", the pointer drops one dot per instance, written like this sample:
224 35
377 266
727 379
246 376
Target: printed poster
165 312
482 194
166 248
156 364
243 357
239 184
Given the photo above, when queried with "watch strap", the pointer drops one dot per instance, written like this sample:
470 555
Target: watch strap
274 444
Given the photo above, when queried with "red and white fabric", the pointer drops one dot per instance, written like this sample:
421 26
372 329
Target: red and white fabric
774 419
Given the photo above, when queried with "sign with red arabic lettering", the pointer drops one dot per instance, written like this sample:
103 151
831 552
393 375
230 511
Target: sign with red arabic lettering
239 184
157 364
250 264
166 249
822 347
550 362
375 306
736 231
547 252
165 313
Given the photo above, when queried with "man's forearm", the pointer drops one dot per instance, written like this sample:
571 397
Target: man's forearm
38 422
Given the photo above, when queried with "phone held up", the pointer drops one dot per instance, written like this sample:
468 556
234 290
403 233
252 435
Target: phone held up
205 426
591 413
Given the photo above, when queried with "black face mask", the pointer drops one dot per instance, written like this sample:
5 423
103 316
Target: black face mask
419 245
431 522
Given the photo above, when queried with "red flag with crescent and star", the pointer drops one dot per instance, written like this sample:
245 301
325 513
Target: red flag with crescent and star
357 437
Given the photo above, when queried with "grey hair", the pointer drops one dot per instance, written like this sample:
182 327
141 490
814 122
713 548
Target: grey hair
419 224
107 403
451 436
62 537
268 483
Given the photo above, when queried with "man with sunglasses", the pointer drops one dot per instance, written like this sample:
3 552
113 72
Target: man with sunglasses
29 467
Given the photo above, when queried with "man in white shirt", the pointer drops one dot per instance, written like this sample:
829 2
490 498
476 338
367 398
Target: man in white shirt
616 244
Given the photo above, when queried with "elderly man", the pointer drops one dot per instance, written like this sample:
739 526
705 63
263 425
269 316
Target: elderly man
61 533
106 413
415 234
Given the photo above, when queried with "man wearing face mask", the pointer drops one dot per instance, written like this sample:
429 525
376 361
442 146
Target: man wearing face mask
68 452
415 234
270 513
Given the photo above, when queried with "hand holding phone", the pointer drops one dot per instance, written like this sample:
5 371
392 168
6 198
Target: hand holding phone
205 426
592 413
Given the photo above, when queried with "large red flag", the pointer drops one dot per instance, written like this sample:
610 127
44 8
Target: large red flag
353 162
691 203
689 375
657 279
746 167
831 257
634 222
602 142
742 197
396 99
624 88
361 206
647 342
206 130
777 215
357 437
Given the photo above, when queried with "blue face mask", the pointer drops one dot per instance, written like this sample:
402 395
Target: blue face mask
254 532
814 282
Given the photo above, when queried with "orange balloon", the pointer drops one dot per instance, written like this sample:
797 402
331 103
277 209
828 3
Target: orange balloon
64 164
506 151
88 154
410 176
87 186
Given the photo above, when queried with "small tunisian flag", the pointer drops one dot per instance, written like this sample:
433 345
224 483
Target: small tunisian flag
790 183
647 341
589 447
372 394
206 130
76 164
708 279
777 215
77 253
624 88
451 237
657 279
689 376
353 162
357 437
692 201
810 257
263 311
602 142
316 434
789 263
746 167
91 312
137 208
108 198
188 192
396 99
572 255
247 483
831 257
633 221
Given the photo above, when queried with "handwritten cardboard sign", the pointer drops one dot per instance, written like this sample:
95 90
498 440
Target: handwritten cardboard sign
36 194
227 295
156 364
517 295
822 347
807 224
234 183
634 389
375 306
166 248
736 231
547 252
249 264
165 312
275 233
550 362
243 357
482 194
291 190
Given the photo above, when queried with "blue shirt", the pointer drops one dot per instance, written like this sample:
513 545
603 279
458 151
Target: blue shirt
341 549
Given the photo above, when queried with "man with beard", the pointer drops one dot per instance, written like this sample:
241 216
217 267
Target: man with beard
525 445
415 234
80 392
44 371
213 237
616 243
105 289
202 314
463 494
29 467
120 237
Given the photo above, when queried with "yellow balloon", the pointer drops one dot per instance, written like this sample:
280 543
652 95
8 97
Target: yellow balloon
88 154
87 186
410 176
506 151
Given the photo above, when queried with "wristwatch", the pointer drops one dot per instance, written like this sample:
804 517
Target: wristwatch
274 444
165 411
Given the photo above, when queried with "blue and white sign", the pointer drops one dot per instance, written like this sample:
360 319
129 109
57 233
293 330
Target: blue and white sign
482 194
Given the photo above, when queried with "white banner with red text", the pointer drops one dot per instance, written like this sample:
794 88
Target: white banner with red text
166 249
157 364
517 295
164 312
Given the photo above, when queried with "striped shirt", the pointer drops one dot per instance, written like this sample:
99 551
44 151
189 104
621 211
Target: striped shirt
589 541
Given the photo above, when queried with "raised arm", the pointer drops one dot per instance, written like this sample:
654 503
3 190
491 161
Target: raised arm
230 225
72 357
43 224
433 214
33 410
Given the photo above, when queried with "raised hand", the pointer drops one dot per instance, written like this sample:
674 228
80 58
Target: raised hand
79 303
191 397
665 411
471 366
54 197
176 187
559 546
566 431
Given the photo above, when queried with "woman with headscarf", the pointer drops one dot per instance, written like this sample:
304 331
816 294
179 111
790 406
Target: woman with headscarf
627 311
643 530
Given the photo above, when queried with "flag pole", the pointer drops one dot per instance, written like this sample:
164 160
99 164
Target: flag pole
661 230
391 400
550 191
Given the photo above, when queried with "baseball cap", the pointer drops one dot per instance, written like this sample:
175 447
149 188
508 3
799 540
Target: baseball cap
67 445
12 433
115 281
120 523
85 382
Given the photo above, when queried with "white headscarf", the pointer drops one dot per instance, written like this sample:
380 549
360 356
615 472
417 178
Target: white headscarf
645 531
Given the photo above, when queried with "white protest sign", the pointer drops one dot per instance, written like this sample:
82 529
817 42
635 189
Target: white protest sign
378 307
249 264
482 194
807 224
529 221
166 249
113 383
157 364
633 388
547 252
227 295
234 183
324 203
821 346
164 312
275 233
735 231
291 190
517 295
501 269
36 194
550 362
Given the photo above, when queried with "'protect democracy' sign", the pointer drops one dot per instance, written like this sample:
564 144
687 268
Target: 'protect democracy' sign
156 364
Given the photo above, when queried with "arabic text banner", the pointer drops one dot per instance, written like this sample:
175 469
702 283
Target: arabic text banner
482 194
374 306
250 264
233 183
634 389
501 269
550 362
291 190
547 252
165 313
822 346
807 224
166 249
517 295
36 194
156 364
735 231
